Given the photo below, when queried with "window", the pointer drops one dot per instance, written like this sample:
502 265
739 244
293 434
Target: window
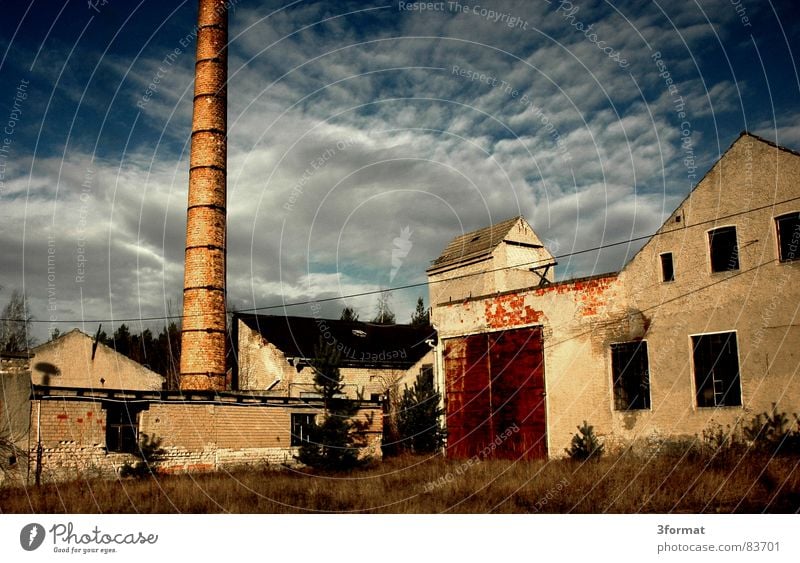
716 370
724 249
122 430
301 428
667 267
788 236
631 375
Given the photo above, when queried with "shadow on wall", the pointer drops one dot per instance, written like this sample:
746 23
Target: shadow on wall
48 370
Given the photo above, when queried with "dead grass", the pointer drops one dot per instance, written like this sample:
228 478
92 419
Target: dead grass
749 482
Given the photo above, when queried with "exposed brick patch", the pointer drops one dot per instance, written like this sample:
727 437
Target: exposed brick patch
509 310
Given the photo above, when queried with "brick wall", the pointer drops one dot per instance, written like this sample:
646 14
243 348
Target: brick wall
191 436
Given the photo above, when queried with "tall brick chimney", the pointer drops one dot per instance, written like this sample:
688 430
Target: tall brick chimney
203 330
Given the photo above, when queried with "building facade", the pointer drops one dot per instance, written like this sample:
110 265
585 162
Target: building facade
75 359
699 330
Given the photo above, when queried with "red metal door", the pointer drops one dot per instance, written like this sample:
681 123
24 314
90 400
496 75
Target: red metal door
495 395
468 398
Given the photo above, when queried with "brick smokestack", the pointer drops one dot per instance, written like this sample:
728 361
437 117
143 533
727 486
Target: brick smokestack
203 330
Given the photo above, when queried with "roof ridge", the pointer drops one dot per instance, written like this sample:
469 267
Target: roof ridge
766 141
474 244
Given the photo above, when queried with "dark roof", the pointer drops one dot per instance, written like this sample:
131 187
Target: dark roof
474 244
360 344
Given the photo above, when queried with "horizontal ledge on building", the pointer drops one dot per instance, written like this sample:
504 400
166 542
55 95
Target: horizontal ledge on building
237 398
212 166
218 94
219 26
206 246
205 330
209 130
204 287
209 60
208 205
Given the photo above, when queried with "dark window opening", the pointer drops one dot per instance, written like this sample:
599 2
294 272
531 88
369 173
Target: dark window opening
724 249
631 372
667 267
427 372
375 397
716 370
788 236
122 428
302 425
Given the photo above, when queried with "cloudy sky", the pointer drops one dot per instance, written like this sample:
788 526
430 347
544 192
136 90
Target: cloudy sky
359 129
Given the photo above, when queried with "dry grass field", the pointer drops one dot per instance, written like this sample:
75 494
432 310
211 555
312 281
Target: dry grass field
683 482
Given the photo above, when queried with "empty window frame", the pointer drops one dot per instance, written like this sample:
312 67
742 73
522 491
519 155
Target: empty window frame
302 423
667 267
631 375
788 236
122 429
716 370
724 249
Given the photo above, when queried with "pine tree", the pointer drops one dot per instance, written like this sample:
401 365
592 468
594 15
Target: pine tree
419 417
331 444
420 317
585 444
349 314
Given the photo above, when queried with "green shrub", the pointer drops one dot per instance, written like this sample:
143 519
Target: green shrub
585 444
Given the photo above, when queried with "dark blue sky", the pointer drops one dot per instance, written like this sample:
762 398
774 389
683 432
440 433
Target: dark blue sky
441 121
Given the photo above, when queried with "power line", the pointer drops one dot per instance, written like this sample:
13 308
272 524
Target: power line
420 284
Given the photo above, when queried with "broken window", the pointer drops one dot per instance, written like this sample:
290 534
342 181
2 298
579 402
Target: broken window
122 429
716 370
667 267
724 249
631 372
788 236
302 425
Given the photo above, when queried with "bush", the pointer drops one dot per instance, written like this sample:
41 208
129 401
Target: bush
771 433
585 444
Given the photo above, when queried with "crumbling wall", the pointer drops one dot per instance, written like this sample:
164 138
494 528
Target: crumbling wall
15 407
186 437
578 319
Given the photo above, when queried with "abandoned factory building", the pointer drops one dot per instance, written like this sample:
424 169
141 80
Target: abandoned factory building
699 328
275 354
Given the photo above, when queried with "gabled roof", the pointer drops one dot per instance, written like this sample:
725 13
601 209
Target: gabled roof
738 139
360 344
475 244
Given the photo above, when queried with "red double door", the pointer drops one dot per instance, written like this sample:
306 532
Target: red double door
495 400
